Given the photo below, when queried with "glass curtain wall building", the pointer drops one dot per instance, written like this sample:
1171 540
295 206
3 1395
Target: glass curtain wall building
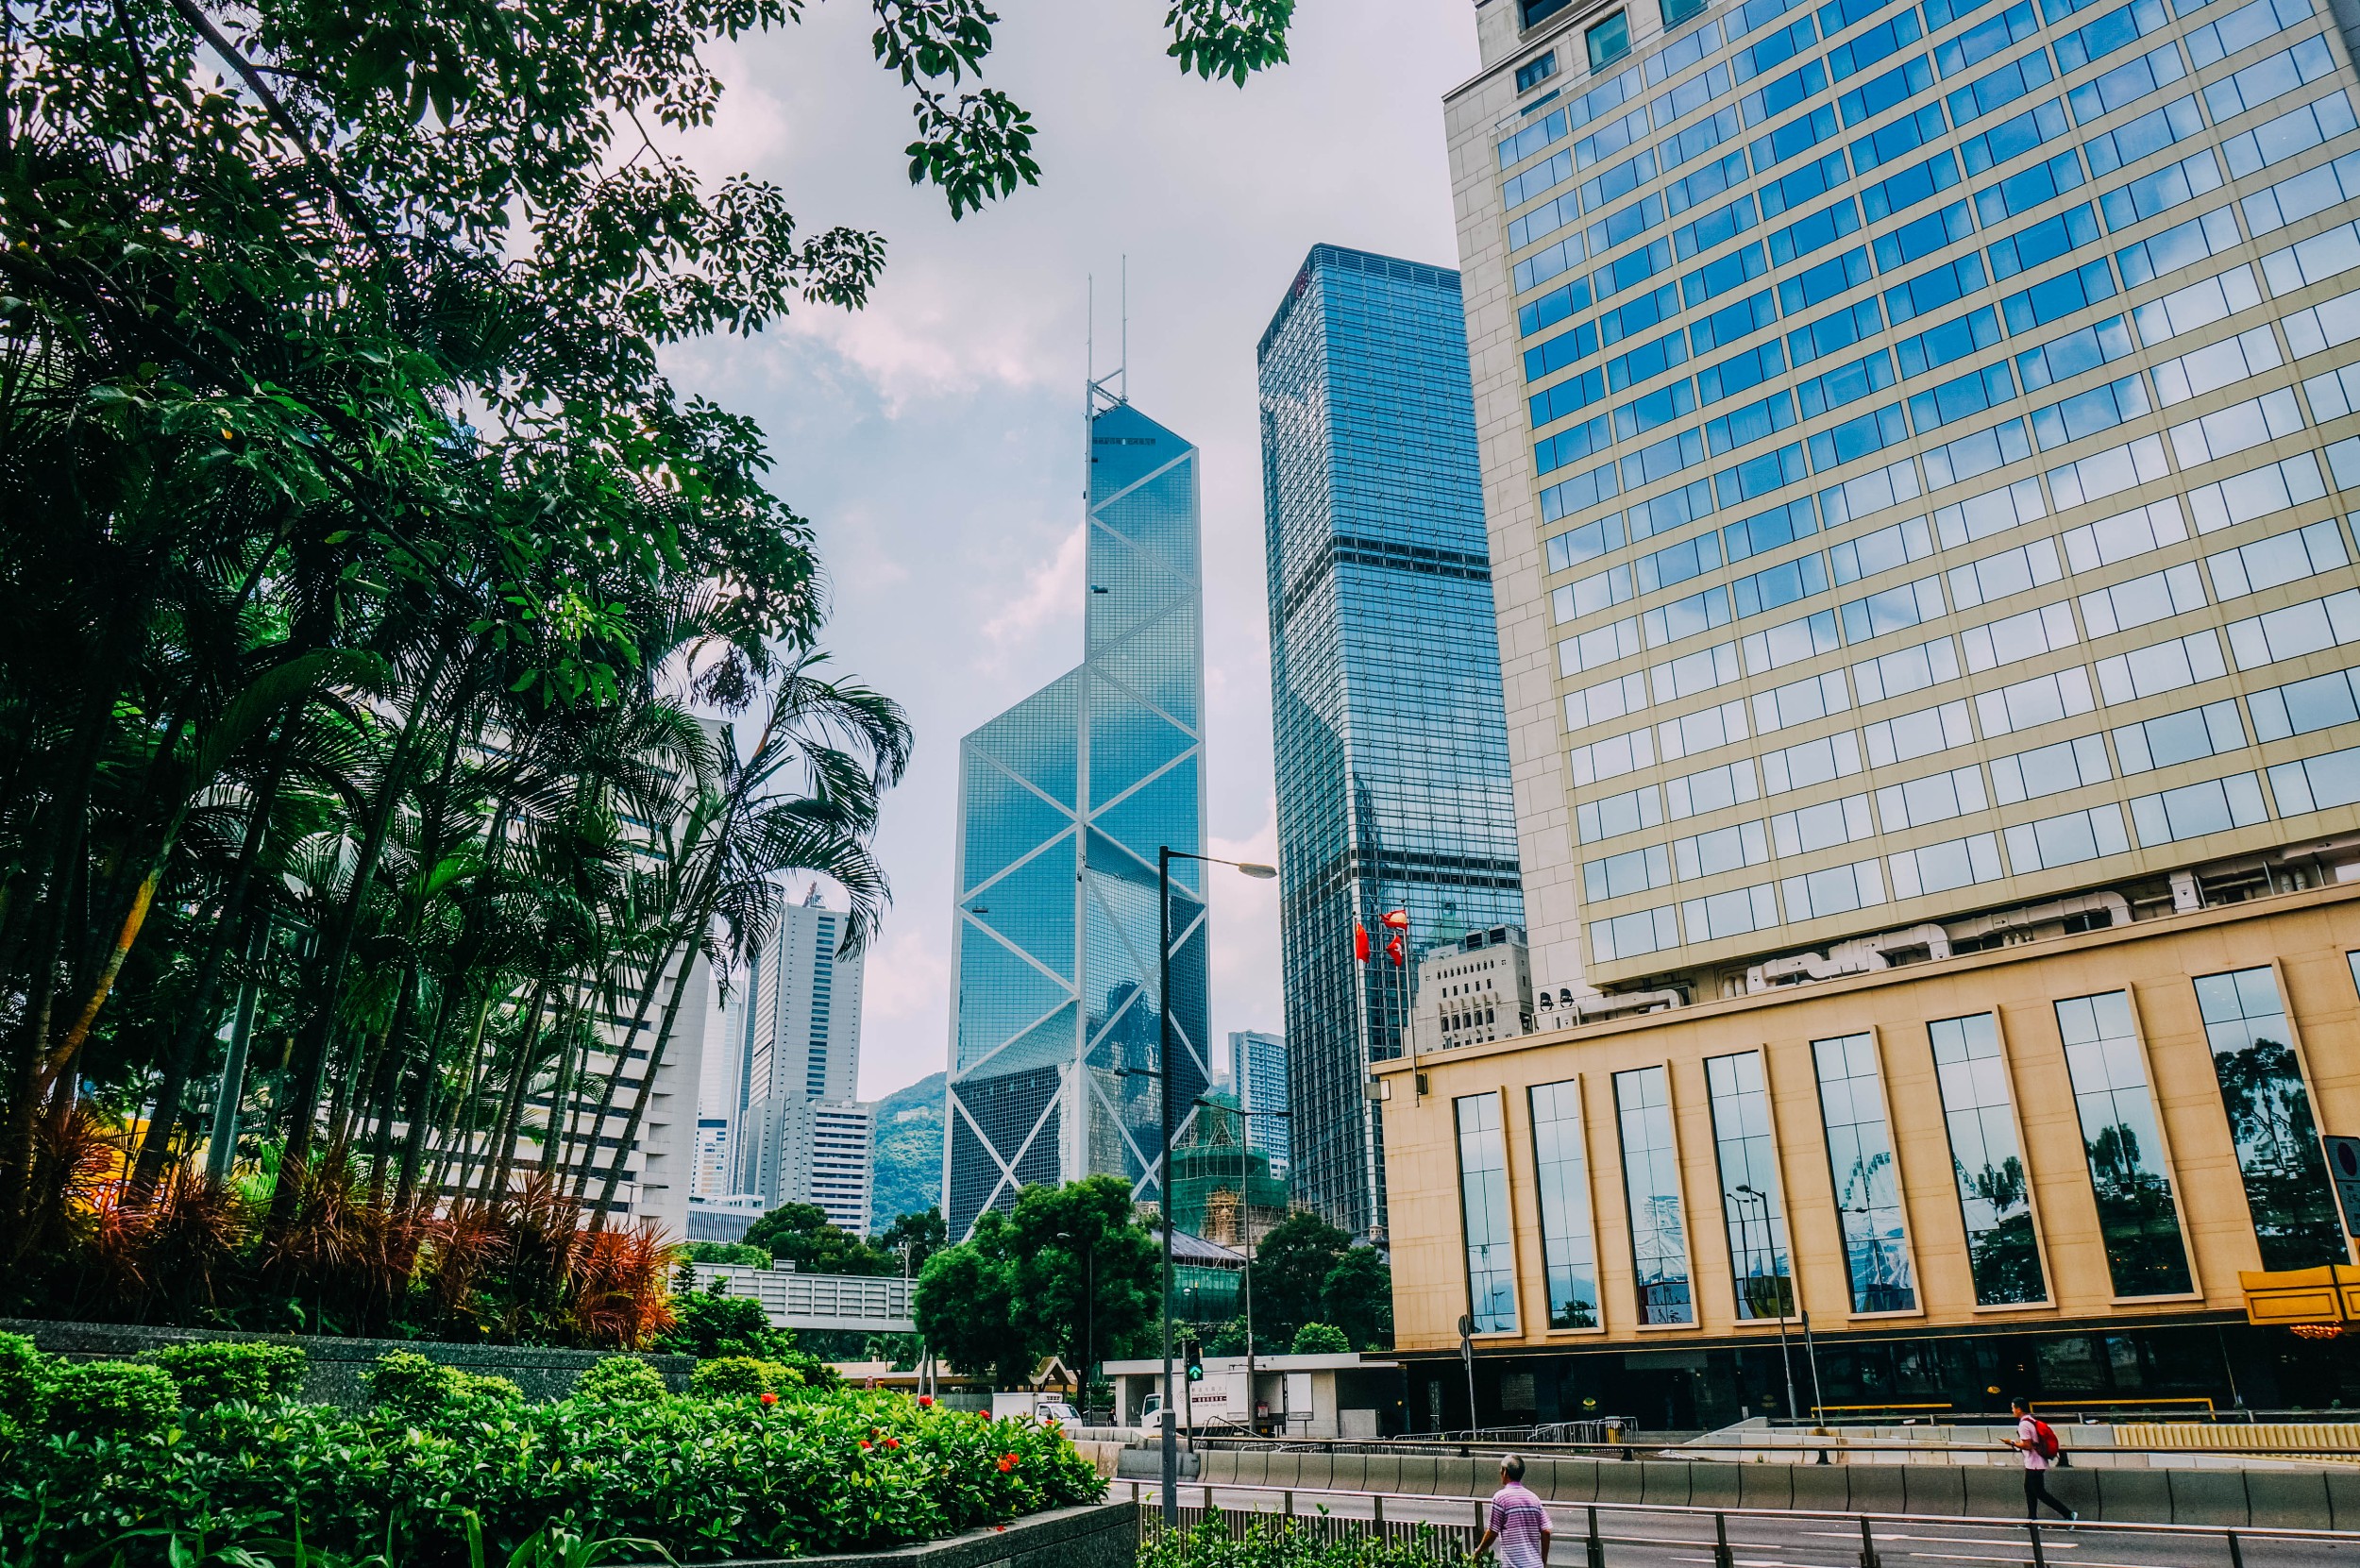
1390 739
1922 469
1064 801
1920 440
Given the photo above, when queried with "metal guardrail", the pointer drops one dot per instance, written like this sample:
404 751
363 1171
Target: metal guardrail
1612 1532
878 1305
1711 1447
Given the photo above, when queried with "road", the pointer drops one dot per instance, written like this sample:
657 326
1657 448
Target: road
1642 1538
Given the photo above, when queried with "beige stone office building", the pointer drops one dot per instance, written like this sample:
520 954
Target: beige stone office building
1915 446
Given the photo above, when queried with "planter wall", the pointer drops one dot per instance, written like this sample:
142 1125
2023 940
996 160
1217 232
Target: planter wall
1096 1535
333 1366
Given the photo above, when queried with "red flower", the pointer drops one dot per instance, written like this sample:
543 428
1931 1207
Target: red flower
893 1442
925 1401
863 1442
1001 1528
769 1398
1006 1463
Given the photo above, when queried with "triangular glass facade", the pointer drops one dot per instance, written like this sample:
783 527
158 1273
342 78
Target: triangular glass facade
1064 801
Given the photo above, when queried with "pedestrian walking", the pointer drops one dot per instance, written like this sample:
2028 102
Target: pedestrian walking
1520 1525
2037 1441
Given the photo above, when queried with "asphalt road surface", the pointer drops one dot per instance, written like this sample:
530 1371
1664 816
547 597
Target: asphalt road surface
1640 1538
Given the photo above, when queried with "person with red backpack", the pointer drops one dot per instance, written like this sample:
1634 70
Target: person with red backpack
2037 1441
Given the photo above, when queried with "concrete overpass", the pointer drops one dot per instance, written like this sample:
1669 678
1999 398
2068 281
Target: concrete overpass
793 1299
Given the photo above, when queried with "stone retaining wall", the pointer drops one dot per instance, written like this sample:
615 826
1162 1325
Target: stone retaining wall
334 1367
1096 1535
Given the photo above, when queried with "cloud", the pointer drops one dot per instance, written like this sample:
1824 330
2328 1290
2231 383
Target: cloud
1051 598
934 438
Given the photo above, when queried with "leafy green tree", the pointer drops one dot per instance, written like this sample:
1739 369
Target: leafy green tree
966 1306
803 1234
367 572
1291 1270
920 1235
1358 1297
1319 1339
1068 1271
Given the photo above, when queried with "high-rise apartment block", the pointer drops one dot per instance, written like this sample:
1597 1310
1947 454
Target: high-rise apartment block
1917 443
1065 801
1257 1074
1390 744
799 1086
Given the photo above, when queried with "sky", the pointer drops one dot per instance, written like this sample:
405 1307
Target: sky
934 438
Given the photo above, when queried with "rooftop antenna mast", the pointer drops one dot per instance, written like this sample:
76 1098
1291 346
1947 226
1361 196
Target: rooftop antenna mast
1115 389
1089 373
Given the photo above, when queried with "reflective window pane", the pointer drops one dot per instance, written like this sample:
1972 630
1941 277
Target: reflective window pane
1752 1206
1867 1186
1560 1158
2269 1115
2135 1210
1994 1194
1483 1199
1658 1232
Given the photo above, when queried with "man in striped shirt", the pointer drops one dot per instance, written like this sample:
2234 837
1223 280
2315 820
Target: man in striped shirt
1520 1525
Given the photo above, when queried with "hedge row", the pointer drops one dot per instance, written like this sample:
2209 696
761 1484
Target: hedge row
163 1458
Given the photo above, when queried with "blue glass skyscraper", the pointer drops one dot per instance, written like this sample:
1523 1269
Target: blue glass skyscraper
1391 741
1063 800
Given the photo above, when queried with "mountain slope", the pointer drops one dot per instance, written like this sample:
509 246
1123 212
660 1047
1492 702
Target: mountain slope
908 1152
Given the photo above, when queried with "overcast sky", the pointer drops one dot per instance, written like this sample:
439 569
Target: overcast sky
934 438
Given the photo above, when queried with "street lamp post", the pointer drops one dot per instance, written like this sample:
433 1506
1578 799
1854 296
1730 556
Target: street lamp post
1747 1193
1245 1233
1165 855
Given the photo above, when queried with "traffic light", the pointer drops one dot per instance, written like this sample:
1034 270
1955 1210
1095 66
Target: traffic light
1196 1361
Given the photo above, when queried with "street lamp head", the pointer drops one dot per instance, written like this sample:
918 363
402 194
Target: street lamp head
1259 873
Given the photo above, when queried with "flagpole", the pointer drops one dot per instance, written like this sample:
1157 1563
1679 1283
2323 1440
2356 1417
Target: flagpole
1360 1001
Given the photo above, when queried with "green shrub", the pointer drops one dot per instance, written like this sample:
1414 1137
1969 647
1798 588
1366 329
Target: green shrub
741 1378
25 1375
737 1252
1319 1339
477 1387
111 1398
214 1373
620 1380
705 1479
409 1385
413 1389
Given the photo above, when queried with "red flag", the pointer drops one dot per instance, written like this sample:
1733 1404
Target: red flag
1397 919
1360 941
1392 951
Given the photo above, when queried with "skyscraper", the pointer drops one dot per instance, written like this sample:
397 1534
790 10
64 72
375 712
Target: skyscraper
1911 432
1917 447
1392 746
1064 801
799 1087
1257 1072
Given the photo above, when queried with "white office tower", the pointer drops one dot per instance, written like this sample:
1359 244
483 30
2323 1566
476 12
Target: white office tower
719 1091
1474 989
1257 1074
800 1067
840 1136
